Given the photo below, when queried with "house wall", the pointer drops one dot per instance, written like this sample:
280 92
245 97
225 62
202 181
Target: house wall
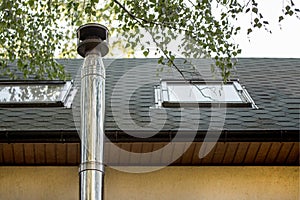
169 183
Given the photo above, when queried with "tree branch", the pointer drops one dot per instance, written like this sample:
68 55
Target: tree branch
150 22
164 52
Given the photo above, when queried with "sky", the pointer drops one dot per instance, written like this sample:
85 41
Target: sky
283 42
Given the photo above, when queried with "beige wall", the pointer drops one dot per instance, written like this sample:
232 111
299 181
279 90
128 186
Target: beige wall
38 183
170 183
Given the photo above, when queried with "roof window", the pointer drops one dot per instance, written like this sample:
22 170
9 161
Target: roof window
191 93
34 93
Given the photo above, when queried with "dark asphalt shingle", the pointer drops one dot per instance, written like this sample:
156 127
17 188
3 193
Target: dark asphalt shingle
273 83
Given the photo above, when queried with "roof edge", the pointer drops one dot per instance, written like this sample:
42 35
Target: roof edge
71 136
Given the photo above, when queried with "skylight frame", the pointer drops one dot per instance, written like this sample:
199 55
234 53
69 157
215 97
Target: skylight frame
162 94
60 102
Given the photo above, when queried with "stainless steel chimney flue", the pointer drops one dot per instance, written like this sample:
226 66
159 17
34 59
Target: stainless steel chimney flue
92 45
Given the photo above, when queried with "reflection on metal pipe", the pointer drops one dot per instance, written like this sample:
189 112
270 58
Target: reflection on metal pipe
92 46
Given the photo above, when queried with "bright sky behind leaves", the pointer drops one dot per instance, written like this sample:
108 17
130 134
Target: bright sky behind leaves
283 42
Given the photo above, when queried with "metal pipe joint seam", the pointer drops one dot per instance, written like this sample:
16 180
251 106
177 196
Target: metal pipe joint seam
91 165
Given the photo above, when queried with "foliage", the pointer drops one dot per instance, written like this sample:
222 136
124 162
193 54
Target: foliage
31 32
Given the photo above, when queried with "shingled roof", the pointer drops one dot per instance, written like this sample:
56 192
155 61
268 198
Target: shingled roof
273 84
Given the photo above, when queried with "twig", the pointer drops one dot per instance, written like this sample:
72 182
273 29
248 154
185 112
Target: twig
138 20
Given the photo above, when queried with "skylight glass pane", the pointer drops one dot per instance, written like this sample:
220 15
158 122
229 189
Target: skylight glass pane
13 93
183 92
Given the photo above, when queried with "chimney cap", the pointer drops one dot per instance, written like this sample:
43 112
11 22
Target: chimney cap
92 30
90 36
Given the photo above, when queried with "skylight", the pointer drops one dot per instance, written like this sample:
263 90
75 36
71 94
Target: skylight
180 93
34 93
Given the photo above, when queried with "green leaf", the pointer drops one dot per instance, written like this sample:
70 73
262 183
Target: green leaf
146 53
31 3
255 10
280 18
160 60
151 17
172 58
259 25
249 31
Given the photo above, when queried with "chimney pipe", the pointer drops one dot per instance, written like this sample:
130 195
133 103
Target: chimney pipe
92 45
